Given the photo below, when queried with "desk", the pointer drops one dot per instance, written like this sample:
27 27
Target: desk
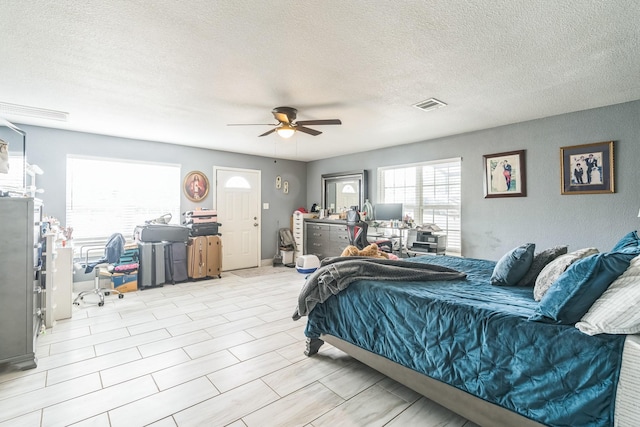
396 233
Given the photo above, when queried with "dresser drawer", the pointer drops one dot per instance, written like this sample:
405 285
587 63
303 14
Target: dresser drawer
339 234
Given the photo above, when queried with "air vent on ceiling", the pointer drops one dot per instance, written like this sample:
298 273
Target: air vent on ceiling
429 104
25 111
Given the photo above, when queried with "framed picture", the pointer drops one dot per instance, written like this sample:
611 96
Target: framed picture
195 186
505 174
587 169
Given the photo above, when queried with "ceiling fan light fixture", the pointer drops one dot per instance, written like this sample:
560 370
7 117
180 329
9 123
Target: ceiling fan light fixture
286 131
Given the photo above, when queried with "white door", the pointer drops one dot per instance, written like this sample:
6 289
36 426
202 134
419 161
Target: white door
238 205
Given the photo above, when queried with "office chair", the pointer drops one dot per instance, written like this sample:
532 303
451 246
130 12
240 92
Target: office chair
357 230
112 252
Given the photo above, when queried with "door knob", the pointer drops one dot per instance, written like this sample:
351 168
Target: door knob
255 224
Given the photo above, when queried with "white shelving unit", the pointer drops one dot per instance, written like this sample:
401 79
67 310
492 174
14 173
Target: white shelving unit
58 280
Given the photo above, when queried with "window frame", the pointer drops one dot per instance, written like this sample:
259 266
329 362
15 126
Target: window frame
82 239
453 229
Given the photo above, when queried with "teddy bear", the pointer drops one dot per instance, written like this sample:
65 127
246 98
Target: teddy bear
371 251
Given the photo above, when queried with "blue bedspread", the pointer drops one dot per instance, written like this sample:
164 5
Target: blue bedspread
476 337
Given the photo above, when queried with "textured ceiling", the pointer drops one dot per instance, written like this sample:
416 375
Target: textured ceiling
180 71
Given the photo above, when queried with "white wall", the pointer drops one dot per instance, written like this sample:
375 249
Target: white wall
490 227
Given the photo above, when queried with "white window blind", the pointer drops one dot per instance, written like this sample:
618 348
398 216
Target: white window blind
430 193
106 196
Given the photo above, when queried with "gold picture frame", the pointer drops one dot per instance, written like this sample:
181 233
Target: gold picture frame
587 168
195 186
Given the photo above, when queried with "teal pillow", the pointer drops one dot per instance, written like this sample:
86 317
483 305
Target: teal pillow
513 265
628 242
571 296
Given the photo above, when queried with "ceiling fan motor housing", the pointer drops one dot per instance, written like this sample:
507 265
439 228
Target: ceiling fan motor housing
289 112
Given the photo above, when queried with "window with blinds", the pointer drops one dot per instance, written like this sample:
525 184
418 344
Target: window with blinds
106 196
430 193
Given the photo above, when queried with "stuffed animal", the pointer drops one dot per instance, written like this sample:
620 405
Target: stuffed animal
371 251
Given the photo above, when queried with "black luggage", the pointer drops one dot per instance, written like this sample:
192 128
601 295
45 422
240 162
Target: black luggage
207 229
161 233
151 271
176 262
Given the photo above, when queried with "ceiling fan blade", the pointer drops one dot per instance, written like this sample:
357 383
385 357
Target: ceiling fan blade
251 124
267 132
281 117
308 130
320 122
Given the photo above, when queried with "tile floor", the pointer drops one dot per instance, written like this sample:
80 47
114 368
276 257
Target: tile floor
220 352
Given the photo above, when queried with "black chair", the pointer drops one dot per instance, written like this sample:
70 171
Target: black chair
357 230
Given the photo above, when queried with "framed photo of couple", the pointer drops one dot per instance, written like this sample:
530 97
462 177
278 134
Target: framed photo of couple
505 174
587 169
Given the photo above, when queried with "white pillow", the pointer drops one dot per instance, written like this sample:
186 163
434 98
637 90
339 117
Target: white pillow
616 311
555 268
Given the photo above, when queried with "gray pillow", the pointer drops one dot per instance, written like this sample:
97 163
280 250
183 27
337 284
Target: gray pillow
513 265
540 260
555 268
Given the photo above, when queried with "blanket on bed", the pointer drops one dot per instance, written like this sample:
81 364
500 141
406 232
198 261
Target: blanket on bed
477 337
335 275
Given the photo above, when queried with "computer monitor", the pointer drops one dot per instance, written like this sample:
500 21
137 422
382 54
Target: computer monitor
388 211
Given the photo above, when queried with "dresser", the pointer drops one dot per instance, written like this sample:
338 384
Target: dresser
325 237
20 290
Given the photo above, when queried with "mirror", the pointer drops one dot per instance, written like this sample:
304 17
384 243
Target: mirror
340 191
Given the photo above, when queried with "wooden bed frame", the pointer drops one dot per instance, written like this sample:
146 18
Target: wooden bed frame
466 405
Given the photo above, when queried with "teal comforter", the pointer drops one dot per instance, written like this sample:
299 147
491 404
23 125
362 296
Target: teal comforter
476 337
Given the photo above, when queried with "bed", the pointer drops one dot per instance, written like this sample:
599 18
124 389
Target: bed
477 348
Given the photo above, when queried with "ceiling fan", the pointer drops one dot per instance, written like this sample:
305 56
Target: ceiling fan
287 125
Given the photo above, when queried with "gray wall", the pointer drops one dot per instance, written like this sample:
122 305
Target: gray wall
48 149
490 227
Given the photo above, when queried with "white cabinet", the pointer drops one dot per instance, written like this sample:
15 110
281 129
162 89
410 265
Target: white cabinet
64 283
297 229
58 280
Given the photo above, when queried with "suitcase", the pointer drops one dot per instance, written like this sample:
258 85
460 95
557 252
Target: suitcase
210 229
200 220
201 212
202 216
176 262
214 256
197 257
151 271
161 233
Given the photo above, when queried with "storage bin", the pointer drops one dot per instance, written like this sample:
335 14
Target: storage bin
125 282
287 257
306 264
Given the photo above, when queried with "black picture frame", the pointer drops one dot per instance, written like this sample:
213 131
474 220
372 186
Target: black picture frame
505 174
